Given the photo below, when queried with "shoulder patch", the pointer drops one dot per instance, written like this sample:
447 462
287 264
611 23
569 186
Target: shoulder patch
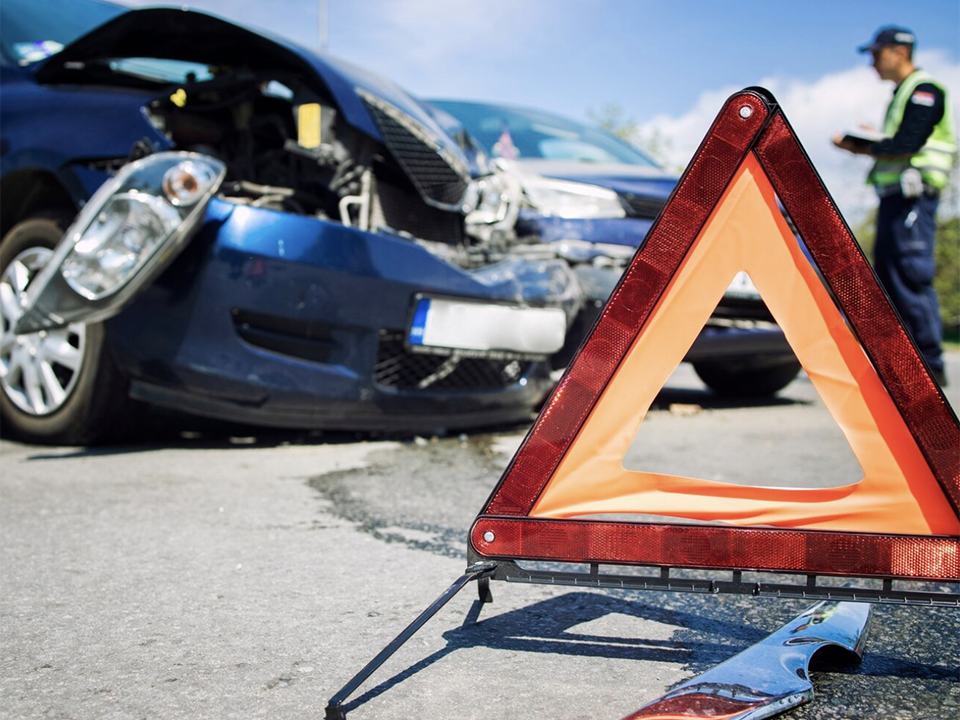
921 97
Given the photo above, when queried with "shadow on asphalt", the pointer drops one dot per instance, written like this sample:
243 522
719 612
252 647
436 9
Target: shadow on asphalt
549 626
160 429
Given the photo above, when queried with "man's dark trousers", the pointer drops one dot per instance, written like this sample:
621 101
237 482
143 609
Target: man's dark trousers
905 265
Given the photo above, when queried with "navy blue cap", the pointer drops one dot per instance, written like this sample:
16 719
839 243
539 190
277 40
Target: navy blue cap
889 35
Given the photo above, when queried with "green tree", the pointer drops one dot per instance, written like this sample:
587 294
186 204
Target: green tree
612 118
865 233
947 253
947 280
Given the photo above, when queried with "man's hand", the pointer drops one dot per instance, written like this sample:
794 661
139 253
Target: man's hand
845 142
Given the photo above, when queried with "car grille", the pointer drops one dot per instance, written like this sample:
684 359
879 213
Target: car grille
643 206
440 178
402 210
400 369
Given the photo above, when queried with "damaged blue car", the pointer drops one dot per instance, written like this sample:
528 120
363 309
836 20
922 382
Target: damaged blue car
200 217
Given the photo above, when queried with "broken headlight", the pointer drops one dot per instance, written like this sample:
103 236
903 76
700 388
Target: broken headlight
137 220
128 232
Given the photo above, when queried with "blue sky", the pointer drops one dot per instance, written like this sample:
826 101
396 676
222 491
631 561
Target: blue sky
667 64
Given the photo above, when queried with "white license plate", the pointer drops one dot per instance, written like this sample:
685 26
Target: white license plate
456 325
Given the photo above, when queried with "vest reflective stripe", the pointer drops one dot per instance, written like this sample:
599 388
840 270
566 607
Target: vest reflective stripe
935 158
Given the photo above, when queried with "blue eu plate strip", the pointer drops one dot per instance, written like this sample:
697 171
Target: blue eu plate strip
419 321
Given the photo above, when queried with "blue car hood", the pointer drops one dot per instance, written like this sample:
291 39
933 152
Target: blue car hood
649 182
173 34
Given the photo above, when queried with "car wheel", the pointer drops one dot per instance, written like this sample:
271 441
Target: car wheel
747 378
58 386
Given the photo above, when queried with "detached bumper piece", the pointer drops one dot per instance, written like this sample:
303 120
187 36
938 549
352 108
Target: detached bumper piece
771 676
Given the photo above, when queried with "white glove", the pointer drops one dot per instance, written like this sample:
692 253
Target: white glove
911 184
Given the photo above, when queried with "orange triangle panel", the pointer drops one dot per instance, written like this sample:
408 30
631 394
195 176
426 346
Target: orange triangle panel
900 521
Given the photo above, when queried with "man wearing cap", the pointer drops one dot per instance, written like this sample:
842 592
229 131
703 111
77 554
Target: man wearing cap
913 163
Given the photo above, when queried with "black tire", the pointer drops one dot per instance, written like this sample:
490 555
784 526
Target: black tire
95 401
747 378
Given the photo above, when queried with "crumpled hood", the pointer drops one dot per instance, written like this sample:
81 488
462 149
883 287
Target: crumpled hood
187 35
622 178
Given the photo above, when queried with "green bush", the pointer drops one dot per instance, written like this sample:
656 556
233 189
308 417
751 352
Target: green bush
947 280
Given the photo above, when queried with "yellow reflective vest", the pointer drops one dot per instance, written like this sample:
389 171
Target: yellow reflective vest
935 158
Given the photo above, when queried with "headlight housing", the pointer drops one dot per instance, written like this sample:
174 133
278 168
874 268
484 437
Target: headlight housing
153 201
566 199
127 233
492 203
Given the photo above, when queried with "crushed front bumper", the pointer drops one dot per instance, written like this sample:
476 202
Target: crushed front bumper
288 321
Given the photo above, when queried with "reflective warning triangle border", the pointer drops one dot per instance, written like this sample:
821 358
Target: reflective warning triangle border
750 122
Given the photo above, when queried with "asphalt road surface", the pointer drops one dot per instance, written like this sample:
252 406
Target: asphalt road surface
211 574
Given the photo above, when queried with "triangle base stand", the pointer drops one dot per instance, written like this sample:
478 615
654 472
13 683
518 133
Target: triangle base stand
727 582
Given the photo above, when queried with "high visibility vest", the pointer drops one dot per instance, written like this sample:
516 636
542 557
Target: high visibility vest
935 158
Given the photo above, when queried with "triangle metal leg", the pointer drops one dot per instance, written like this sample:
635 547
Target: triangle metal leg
478 571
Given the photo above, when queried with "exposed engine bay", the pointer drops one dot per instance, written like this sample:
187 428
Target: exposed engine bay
251 125
286 148
302 134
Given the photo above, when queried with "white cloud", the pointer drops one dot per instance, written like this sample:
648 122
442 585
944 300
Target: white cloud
817 110
427 32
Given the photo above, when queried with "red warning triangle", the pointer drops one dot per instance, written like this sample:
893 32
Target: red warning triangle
900 521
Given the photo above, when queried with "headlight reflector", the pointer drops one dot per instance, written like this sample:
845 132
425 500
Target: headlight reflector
123 236
491 204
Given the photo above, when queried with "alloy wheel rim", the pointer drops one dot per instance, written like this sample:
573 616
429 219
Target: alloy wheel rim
38 371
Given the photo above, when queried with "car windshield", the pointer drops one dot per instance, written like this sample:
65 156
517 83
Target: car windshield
35 29
516 133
